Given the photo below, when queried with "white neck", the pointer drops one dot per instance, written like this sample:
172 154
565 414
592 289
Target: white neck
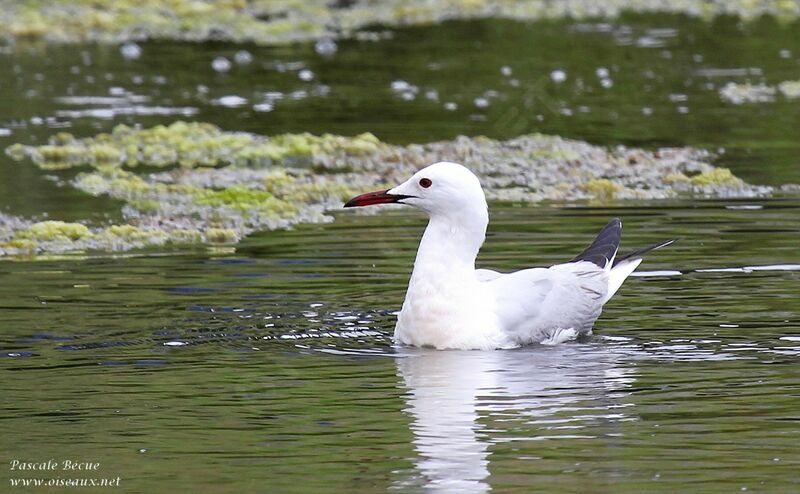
444 282
451 241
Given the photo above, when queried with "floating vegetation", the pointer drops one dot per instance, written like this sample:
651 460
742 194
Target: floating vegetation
747 93
270 22
602 189
195 183
718 177
54 230
59 236
758 93
188 145
790 89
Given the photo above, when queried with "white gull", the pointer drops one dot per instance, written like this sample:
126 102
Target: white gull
451 305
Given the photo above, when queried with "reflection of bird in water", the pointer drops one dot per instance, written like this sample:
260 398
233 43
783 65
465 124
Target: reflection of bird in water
450 304
451 393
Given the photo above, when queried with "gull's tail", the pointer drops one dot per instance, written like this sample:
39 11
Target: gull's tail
603 253
622 267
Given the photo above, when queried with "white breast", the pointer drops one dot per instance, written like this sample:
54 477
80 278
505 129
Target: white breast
446 311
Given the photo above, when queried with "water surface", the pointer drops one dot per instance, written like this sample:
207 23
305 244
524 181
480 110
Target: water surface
272 368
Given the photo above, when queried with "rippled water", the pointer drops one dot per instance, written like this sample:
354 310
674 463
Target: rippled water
642 80
272 369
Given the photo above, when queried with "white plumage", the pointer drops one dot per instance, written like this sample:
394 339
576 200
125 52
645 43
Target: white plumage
451 305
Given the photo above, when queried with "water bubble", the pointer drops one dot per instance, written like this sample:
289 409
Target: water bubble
400 85
243 57
273 95
221 64
175 343
263 107
558 76
130 51
481 102
325 47
606 83
405 90
602 72
506 70
450 106
745 206
305 75
432 95
230 101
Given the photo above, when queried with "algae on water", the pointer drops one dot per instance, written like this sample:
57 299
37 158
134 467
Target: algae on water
738 94
195 183
269 22
187 145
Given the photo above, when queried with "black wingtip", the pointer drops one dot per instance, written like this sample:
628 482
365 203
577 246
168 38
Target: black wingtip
605 245
644 250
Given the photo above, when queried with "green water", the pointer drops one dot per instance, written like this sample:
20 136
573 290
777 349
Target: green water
271 368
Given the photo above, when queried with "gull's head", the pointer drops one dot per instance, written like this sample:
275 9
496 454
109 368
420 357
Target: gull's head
441 188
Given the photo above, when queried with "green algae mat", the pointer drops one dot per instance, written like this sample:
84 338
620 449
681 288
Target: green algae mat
285 21
220 186
164 145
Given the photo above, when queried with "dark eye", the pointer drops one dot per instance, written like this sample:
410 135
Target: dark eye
425 183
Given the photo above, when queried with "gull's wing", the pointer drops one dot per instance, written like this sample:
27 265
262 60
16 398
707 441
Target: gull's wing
487 274
533 303
604 247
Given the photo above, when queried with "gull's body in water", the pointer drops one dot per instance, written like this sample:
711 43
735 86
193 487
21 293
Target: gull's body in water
452 305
